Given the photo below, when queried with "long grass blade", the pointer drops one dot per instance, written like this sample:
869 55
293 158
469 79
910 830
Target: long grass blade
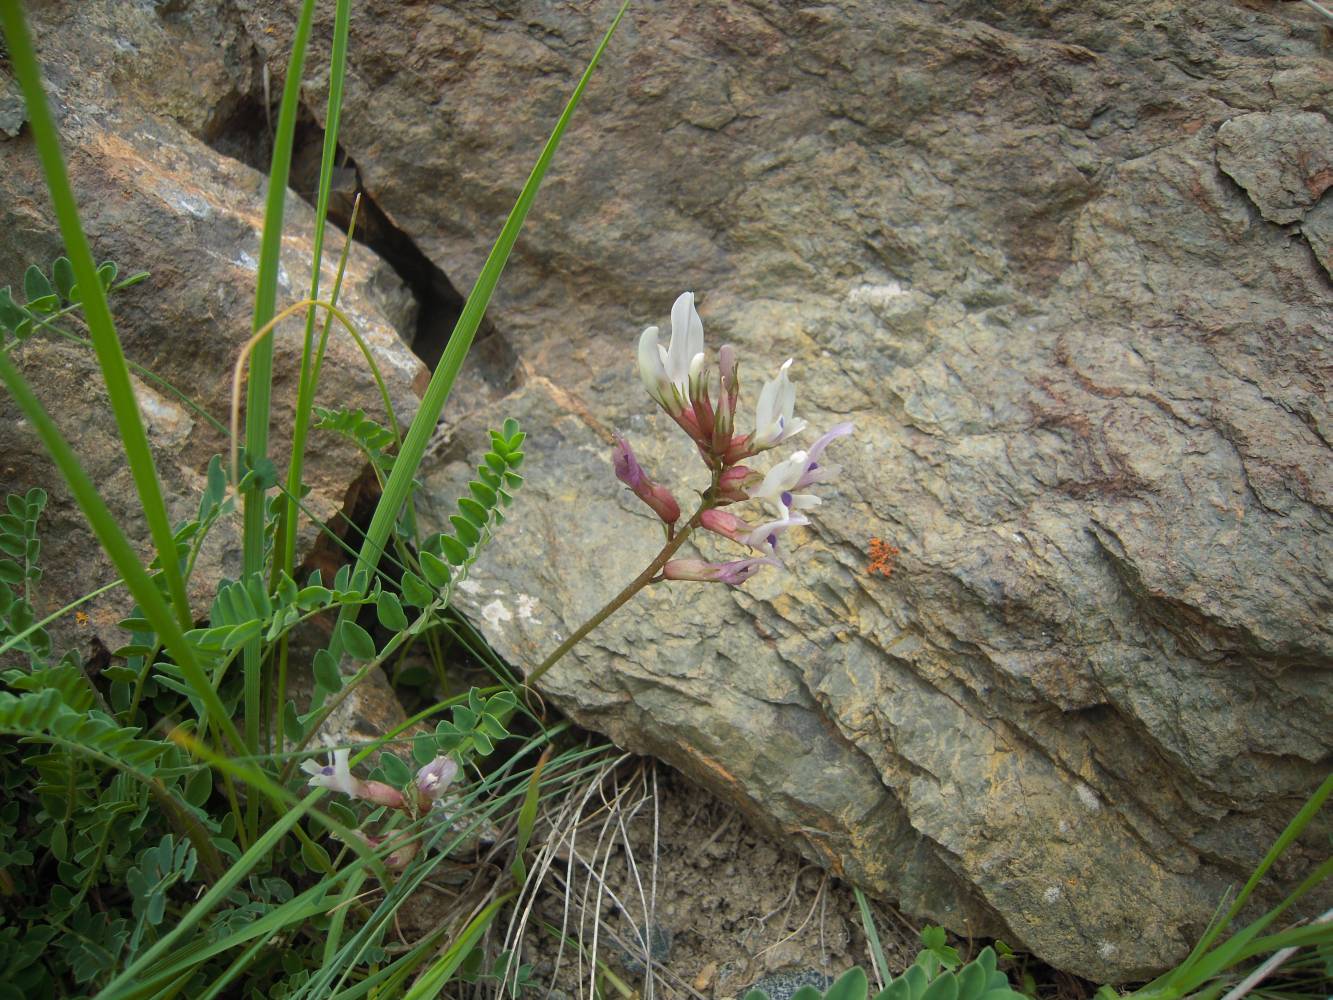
259 395
285 546
110 356
460 341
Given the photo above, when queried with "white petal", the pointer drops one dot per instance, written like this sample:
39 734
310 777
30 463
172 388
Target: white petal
650 362
696 366
683 320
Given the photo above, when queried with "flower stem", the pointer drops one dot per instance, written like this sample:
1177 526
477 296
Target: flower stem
636 585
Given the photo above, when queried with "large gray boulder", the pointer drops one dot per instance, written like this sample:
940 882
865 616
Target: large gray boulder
136 91
1066 266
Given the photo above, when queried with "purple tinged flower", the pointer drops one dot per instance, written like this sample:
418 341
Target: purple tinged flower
814 472
733 573
765 537
779 486
336 775
434 778
629 472
777 489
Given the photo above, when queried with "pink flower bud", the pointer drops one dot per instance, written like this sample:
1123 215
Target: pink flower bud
734 573
724 524
731 487
380 794
629 472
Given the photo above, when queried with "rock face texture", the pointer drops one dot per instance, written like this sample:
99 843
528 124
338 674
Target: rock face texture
1066 266
133 90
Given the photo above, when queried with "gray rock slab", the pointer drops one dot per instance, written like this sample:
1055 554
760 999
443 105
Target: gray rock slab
1037 253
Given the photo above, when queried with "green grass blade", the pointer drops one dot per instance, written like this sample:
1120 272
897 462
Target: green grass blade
460 341
117 547
259 395
872 938
305 393
110 356
437 976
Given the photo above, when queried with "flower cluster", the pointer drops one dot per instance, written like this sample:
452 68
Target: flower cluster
429 785
678 378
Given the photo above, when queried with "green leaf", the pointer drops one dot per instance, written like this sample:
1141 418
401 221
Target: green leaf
475 513
11 313
986 959
436 570
899 989
106 274
390 612
972 981
59 842
357 641
63 273
484 494
38 291
851 985
415 591
454 550
917 981
291 724
396 772
315 856
945 987
466 531
199 787
325 669
509 428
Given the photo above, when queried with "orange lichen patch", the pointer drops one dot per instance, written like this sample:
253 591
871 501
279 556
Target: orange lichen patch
883 557
81 618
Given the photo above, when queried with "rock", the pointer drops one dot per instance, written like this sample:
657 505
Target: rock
130 87
12 111
1040 253
1283 160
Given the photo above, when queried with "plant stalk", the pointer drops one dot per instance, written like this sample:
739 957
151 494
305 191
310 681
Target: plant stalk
648 576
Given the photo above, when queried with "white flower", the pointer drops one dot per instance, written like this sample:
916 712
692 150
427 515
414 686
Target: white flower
765 537
666 371
773 419
337 776
777 488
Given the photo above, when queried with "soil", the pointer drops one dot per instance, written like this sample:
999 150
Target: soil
724 906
